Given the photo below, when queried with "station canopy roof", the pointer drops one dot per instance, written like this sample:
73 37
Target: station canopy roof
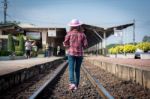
11 28
93 38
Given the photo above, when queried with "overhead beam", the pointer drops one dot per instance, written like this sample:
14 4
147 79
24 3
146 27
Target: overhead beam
97 34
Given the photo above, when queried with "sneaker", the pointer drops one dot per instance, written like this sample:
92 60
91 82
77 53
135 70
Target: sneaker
71 86
75 88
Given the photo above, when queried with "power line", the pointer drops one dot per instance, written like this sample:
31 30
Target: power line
10 17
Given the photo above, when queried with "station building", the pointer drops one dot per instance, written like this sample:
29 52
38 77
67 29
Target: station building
54 36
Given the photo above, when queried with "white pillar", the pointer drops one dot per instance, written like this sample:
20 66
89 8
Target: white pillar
44 38
104 43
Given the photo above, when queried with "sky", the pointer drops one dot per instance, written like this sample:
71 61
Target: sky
102 13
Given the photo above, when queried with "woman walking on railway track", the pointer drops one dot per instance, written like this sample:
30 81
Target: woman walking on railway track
75 41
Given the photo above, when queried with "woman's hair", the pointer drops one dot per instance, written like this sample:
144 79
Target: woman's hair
78 28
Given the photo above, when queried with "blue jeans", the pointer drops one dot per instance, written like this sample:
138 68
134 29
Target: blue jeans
74 68
47 53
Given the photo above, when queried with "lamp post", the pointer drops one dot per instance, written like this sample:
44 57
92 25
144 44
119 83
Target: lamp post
134 31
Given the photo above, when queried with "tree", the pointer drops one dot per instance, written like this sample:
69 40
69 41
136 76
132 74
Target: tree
146 38
10 45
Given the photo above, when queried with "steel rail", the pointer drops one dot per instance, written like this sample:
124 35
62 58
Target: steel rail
37 93
99 87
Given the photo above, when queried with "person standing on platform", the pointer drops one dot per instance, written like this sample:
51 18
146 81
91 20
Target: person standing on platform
58 50
28 47
75 41
47 52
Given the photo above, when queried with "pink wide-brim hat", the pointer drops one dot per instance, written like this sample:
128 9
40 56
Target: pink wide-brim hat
75 22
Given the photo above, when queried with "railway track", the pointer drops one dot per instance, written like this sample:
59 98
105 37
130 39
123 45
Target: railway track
89 88
53 84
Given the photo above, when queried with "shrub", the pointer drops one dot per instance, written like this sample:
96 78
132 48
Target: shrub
112 51
119 49
145 46
4 53
129 48
17 48
11 46
19 53
21 44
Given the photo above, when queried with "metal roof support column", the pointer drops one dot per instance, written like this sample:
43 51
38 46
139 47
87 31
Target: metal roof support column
1 39
99 37
100 47
104 43
101 44
96 50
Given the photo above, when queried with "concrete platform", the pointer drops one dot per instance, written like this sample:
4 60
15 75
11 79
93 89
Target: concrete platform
137 70
137 63
15 65
15 72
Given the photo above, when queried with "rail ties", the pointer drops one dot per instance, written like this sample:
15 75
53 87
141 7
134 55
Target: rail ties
101 90
37 93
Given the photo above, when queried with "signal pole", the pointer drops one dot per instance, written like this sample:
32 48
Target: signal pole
5 11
